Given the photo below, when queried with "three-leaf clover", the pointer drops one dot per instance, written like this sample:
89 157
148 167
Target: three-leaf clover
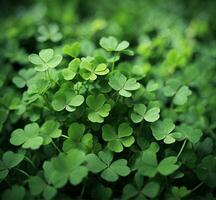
141 113
29 137
117 141
89 71
98 109
23 76
66 167
173 88
111 44
77 138
162 129
37 186
139 190
45 60
103 163
72 50
50 32
65 98
124 86
49 130
185 131
148 165
70 72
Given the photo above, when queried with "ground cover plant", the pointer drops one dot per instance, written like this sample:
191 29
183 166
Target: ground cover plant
107 100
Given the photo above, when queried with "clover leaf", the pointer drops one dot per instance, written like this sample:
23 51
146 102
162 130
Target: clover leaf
124 86
9 161
77 138
66 167
161 130
37 186
89 71
190 133
72 50
28 137
180 192
150 190
117 141
173 88
45 60
23 76
50 32
110 171
181 95
70 72
65 98
206 170
140 113
15 192
49 130
98 109
111 44
168 165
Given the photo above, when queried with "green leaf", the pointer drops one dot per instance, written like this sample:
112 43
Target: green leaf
98 109
162 129
36 185
94 164
28 138
11 159
168 165
45 60
181 96
151 189
15 192
49 130
109 43
70 72
72 50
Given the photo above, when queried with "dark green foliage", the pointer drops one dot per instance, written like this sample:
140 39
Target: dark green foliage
107 100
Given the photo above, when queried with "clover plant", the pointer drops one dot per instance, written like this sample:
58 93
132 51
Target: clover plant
107 100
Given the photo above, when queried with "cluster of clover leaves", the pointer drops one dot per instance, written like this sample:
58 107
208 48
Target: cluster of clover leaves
92 122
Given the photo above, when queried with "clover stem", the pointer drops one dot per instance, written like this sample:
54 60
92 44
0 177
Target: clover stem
182 147
65 136
196 187
30 161
83 190
56 147
113 63
23 172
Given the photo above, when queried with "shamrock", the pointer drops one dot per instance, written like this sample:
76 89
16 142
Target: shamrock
139 190
206 170
140 113
65 98
162 129
15 192
66 167
152 86
180 192
187 132
173 88
148 165
123 85
45 60
103 163
28 137
111 44
23 77
70 72
50 32
49 130
37 186
9 161
89 71
117 141
98 109
72 50
168 165
77 138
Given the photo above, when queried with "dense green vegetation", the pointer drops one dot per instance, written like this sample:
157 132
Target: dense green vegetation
107 100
